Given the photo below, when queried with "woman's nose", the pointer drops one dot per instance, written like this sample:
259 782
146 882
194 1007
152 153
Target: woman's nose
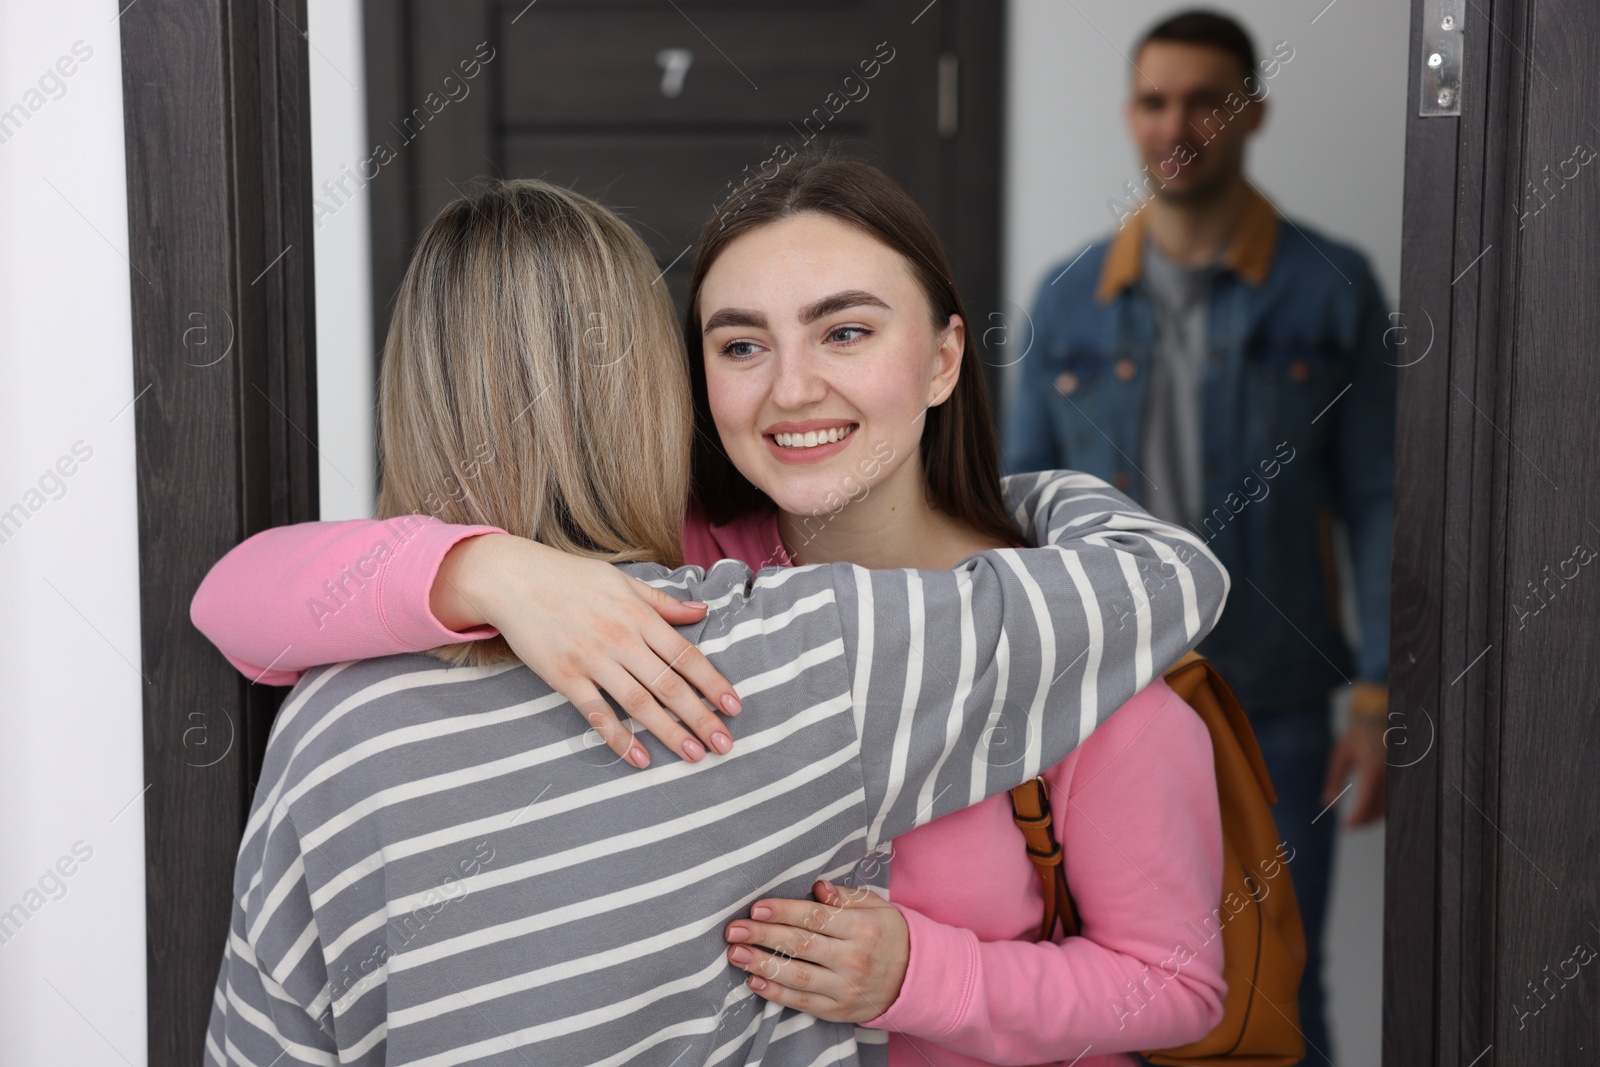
798 381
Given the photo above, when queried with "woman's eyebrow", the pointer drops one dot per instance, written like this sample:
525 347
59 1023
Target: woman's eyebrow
850 298
735 317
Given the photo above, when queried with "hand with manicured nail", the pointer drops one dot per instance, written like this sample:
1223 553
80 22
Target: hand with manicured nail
584 626
841 957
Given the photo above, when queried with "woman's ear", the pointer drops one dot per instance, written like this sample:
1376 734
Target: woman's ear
947 361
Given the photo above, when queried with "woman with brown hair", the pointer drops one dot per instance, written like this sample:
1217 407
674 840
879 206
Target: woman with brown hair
840 416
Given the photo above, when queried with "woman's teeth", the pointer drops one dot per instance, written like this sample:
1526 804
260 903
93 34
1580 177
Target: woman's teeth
812 438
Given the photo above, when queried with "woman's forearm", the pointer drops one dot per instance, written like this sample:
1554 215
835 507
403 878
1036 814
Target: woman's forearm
293 597
464 594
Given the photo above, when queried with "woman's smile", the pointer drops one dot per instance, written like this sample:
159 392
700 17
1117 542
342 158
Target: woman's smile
808 442
820 346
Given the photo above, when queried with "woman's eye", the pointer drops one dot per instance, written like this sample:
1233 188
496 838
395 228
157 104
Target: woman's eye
739 349
844 335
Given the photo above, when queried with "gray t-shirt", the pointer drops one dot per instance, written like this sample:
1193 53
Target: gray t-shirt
439 868
1172 443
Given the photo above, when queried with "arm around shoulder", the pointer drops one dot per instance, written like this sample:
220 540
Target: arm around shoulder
1038 646
293 597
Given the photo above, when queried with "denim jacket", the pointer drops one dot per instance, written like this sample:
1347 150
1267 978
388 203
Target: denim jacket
1297 417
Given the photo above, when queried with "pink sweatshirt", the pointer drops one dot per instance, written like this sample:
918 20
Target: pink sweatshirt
1135 809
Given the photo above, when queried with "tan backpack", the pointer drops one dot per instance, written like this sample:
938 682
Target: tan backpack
1264 945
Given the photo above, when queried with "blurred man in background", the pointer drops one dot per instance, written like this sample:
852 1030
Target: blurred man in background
1225 366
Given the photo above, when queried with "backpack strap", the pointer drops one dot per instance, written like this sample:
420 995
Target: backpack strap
1030 809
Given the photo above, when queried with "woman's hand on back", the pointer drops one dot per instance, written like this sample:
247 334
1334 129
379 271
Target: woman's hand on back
842 958
586 627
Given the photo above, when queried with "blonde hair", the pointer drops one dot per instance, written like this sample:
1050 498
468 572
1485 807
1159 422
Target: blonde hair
533 379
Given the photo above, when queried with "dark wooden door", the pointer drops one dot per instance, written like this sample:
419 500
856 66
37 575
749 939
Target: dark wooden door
216 101
662 108
1493 897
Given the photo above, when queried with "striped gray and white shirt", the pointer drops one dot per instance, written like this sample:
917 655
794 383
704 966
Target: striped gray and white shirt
445 866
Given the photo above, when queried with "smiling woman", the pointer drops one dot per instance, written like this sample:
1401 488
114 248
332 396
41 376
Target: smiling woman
825 304
803 388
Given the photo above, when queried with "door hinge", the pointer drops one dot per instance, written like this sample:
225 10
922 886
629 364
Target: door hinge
1441 57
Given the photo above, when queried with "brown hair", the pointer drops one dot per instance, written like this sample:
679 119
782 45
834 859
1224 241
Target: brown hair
1209 28
531 381
960 447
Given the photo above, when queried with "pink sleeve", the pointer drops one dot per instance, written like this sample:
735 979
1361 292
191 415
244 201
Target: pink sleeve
292 597
1142 836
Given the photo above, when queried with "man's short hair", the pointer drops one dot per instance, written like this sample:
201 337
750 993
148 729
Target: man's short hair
1208 28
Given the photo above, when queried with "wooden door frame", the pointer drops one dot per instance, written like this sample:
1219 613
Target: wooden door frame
1458 476
216 117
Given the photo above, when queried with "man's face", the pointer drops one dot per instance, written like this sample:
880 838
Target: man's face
1192 111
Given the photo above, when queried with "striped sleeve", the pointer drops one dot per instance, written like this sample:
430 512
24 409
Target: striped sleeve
271 1000
969 682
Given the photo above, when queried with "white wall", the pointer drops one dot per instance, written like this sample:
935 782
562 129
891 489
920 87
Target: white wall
1331 154
72 959
72 974
345 365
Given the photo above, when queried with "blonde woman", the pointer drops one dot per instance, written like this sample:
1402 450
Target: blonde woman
438 867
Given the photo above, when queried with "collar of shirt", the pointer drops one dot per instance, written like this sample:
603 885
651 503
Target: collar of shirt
1249 255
